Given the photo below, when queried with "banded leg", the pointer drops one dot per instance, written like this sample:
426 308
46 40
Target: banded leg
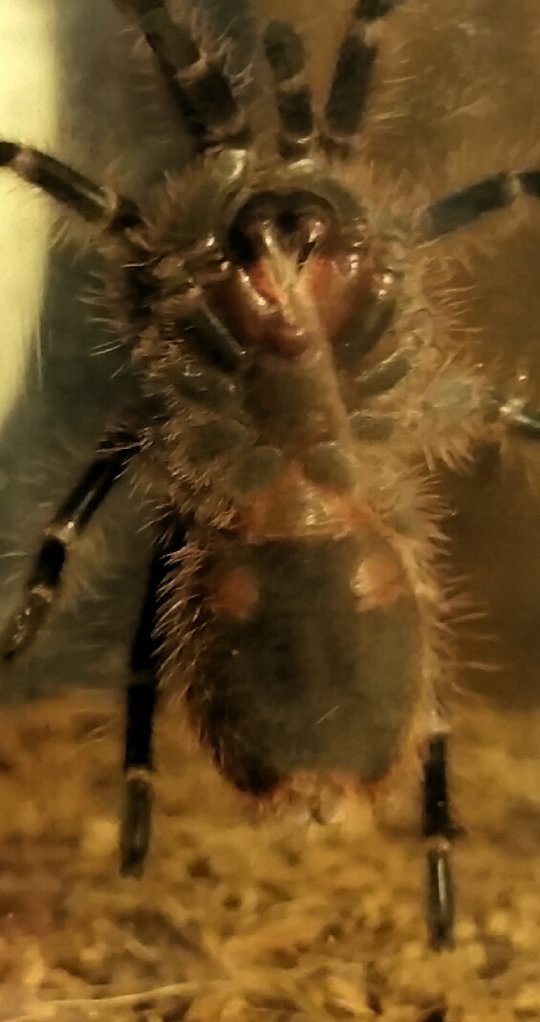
44 582
92 203
439 829
199 86
350 86
467 205
286 56
141 698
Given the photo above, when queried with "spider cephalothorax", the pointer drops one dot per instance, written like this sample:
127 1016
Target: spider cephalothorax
291 392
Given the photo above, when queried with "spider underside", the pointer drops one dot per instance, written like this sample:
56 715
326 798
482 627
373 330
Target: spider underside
288 380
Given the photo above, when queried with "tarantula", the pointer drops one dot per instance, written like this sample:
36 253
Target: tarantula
289 376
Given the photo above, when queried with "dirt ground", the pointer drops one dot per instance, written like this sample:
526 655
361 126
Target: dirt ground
254 922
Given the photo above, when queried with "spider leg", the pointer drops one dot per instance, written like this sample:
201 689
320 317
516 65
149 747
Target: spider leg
286 56
45 579
212 339
384 376
520 419
113 213
493 193
349 90
141 701
439 829
198 84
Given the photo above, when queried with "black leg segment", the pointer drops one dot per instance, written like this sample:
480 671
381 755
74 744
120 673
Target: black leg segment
287 60
141 696
69 522
198 85
350 86
212 339
384 376
69 188
520 418
141 699
439 829
178 306
467 205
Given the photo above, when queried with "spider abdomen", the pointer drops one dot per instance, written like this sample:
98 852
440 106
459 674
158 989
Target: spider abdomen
310 659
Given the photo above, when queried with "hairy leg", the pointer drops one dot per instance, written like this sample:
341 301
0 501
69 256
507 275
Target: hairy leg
45 579
113 213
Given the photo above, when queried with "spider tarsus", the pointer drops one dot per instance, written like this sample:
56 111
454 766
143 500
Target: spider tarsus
140 701
439 829
24 625
440 899
136 825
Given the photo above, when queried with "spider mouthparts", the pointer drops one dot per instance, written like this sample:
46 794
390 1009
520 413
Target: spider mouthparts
290 222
